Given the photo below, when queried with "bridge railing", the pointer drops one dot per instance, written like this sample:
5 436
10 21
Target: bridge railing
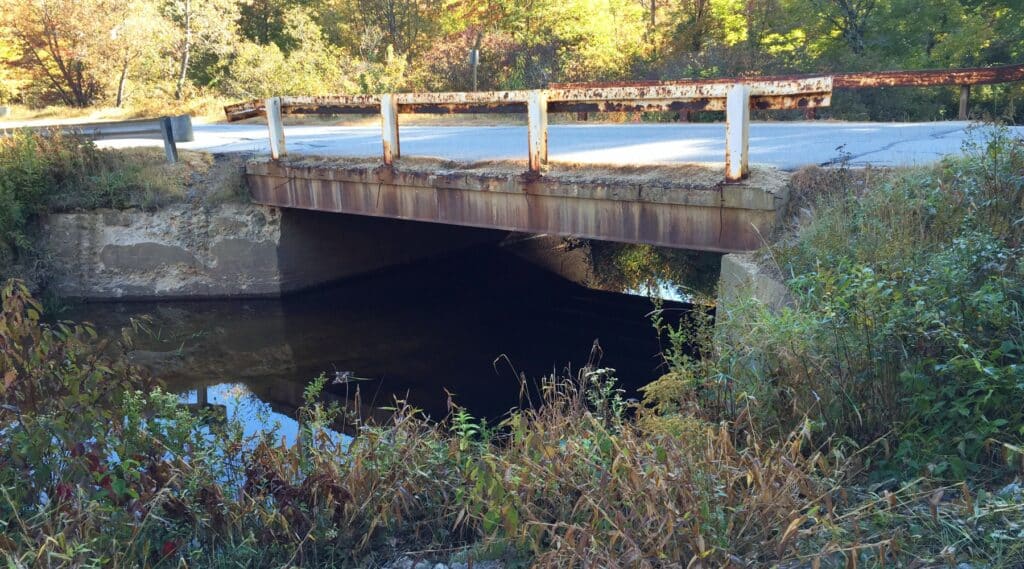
736 96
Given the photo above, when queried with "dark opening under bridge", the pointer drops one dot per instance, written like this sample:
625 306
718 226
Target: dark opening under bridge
695 207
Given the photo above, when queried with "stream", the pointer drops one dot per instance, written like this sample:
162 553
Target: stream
473 327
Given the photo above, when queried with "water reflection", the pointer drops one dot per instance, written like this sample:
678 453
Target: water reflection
471 325
234 402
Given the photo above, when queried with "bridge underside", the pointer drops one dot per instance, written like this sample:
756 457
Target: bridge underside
684 207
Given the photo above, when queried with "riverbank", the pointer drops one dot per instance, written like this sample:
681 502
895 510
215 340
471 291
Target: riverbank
53 175
871 419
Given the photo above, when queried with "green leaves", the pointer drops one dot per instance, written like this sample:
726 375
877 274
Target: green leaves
909 312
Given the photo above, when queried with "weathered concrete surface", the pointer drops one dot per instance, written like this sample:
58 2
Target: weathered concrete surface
232 250
742 279
686 207
177 251
570 259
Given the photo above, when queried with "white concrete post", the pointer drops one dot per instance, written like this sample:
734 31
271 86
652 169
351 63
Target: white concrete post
537 128
737 133
276 128
389 127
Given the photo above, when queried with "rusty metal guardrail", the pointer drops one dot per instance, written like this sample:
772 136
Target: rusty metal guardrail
964 78
169 129
736 96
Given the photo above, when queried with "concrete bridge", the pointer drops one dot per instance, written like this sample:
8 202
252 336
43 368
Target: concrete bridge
699 207
661 184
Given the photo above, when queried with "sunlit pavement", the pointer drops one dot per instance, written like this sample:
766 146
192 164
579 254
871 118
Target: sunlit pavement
787 145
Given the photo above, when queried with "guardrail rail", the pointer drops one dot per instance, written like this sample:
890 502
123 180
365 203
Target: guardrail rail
169 129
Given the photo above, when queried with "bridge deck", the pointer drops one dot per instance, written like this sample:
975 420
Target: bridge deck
687 207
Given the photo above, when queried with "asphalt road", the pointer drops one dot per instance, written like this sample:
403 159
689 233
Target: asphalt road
787 145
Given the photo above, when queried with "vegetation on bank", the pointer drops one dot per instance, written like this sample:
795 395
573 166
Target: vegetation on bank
56 173
151 56
876 422
907 325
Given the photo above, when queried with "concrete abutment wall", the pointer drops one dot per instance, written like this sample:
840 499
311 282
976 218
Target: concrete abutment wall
229 250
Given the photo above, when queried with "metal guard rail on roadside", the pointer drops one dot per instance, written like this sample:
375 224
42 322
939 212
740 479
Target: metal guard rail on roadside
169 129
736 96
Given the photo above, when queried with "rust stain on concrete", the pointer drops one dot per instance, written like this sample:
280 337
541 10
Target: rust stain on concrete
681 207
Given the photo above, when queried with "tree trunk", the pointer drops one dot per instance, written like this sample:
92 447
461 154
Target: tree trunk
392 18
121 83
186 51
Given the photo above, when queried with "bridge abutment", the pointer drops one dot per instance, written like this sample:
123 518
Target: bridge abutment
230 250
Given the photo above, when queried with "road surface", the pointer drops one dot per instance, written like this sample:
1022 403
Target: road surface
787 145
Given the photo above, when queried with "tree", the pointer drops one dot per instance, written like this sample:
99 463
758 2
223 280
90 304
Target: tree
61 43
312 67
11 77
265 22
139 34
406 25
595 39
850 17
202 25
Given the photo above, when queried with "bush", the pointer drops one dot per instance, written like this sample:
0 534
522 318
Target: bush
908 323
100 466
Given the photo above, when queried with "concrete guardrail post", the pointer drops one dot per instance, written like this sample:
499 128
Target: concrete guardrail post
276 128
965 96
389 128
737 133
537 129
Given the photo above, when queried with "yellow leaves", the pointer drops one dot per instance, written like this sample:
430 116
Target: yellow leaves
788 534
789 43
732 16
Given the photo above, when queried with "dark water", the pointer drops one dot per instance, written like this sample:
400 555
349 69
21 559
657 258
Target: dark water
470 325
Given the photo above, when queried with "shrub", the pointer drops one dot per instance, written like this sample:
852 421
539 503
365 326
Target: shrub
101 466
908 317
